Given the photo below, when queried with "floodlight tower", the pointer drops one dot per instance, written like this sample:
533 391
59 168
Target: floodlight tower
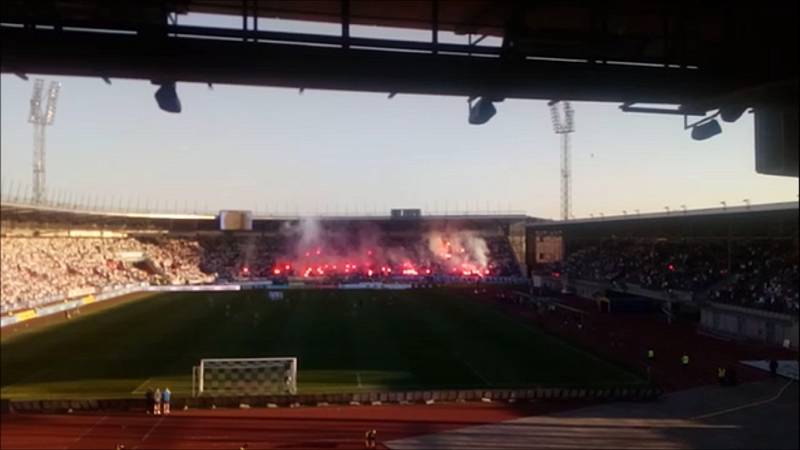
41 119
564 124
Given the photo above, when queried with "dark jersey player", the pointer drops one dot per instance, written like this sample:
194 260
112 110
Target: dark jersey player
370 438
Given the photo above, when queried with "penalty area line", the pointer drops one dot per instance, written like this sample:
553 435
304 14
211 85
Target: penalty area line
139 388
473 370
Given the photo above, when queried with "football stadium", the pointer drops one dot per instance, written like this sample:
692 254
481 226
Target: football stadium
357 328
126 325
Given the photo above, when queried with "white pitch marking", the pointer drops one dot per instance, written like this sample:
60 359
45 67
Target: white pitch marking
746 405
472 369
85 433
144 383
153 428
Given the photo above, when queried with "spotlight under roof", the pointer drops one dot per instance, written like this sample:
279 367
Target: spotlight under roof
706 130
481 111
167 97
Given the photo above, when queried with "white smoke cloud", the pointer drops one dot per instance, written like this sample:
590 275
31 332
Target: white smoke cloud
364 247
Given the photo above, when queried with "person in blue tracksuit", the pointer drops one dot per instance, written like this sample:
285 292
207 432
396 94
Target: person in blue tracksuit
165 397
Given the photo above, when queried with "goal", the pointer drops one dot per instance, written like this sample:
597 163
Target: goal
245 376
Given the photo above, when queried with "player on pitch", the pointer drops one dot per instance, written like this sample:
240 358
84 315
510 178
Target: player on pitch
157 406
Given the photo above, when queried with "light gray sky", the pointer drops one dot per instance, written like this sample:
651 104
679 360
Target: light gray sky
274 149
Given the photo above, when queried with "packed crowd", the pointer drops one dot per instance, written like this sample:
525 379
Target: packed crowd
659 265
755 273
39 270
504 262
765 277
230 258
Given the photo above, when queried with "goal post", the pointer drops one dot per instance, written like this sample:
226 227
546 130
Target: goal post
246 376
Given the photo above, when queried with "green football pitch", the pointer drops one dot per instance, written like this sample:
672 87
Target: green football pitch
345 341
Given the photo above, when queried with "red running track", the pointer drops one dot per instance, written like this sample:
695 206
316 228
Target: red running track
330 427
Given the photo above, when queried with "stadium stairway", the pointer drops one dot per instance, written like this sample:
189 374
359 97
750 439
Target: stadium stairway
147 265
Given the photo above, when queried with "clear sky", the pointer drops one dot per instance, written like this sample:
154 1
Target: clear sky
275 150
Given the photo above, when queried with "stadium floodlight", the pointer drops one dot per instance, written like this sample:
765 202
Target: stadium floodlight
706 130
36 101
481 111
40 120
567 125
564 127
167 97
52 100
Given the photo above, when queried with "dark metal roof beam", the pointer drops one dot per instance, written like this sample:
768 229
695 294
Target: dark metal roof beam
294 66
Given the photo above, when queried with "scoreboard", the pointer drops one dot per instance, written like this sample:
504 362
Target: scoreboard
235 220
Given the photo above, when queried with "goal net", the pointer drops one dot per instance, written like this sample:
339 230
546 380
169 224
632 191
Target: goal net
245 376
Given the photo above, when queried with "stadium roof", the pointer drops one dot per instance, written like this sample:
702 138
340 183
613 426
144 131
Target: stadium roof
51 216
424 217
678 214
692 53
59 215
774 219
44 211
693 57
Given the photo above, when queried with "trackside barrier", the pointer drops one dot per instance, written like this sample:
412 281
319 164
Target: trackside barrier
631 393
67 304
93 295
